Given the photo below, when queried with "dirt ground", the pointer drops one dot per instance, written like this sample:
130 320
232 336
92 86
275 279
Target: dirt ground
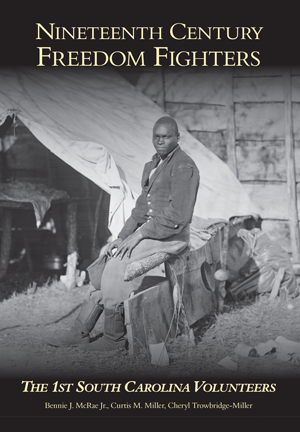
29 317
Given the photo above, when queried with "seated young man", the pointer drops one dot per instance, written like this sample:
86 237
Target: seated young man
159 222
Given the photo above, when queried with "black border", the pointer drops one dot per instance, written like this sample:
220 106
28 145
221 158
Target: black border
278 46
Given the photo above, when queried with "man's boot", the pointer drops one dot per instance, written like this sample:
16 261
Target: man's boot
114 332
80 332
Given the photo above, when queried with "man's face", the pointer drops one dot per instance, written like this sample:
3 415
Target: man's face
165 139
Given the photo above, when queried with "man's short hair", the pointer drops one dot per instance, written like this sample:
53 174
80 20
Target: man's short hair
166 120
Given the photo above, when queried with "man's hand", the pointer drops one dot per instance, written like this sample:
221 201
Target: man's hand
129 244
113 245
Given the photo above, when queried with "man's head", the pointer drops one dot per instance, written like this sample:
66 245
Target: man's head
165 136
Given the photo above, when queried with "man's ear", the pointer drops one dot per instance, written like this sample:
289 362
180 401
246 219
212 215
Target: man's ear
178 136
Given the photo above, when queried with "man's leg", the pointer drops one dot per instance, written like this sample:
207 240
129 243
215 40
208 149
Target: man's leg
89 314
115 290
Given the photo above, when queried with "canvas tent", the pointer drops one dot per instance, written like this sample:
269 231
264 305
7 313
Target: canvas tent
98 123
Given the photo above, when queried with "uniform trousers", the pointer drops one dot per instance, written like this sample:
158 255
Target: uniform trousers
113 289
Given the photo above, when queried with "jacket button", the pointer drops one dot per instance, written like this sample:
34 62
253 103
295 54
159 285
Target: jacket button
149 202
150 210
148 195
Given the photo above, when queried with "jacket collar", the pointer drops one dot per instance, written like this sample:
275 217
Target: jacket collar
155 160
157 157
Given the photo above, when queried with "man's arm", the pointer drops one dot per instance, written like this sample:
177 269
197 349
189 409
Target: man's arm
178 214
171 220
137 218
128 237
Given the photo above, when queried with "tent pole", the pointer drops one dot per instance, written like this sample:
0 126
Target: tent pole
290 167
6 241
50 169
2 161
87 192
96 222
72 227
231 151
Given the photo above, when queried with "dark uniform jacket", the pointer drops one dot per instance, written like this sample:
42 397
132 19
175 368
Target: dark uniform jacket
167 200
